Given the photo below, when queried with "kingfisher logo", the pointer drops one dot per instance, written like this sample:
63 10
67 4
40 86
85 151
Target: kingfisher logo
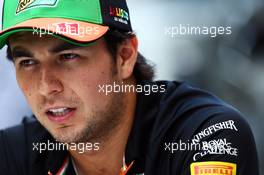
28 4
119 14
213 168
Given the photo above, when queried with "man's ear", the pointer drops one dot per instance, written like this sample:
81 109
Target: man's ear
126 57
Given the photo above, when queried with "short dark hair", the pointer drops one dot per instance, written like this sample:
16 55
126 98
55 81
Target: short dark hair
143 70
9 53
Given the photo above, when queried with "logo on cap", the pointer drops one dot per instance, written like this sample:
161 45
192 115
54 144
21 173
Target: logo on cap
120 15
27 4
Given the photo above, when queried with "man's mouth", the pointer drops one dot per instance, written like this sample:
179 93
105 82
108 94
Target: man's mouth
57 112
60 114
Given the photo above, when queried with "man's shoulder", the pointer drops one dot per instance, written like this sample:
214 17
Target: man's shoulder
182 107
29 128
179 93
16 145
23 134
186 108
191 116
179 99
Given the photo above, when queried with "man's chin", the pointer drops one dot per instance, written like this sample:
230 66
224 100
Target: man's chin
66 134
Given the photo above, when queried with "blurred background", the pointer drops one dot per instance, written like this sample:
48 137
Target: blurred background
230 65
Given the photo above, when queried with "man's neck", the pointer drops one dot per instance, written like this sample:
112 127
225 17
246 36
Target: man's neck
109 158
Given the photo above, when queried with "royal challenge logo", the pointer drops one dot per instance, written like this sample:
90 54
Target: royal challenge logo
28 4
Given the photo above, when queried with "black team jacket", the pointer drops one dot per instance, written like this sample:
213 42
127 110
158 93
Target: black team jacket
180 131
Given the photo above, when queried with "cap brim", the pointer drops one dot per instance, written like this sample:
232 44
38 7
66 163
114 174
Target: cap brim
67 29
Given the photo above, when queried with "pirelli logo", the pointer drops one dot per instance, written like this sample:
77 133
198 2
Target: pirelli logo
213 168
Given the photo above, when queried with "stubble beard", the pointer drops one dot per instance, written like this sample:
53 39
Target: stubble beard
100 124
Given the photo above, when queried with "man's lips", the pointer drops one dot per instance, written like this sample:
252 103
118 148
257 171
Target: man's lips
60 114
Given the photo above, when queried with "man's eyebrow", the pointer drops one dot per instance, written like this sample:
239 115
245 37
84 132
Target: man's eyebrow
19 51
64 46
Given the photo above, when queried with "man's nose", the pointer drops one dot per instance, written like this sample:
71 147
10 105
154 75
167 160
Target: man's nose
49 83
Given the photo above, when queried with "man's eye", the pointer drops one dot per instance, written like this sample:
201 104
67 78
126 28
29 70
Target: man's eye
26 63
69 56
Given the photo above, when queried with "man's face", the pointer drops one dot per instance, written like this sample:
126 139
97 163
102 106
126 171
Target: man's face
61 84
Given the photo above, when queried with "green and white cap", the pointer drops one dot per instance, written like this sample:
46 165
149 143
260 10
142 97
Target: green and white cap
76 21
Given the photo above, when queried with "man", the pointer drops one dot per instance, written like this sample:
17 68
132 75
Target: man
97 109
